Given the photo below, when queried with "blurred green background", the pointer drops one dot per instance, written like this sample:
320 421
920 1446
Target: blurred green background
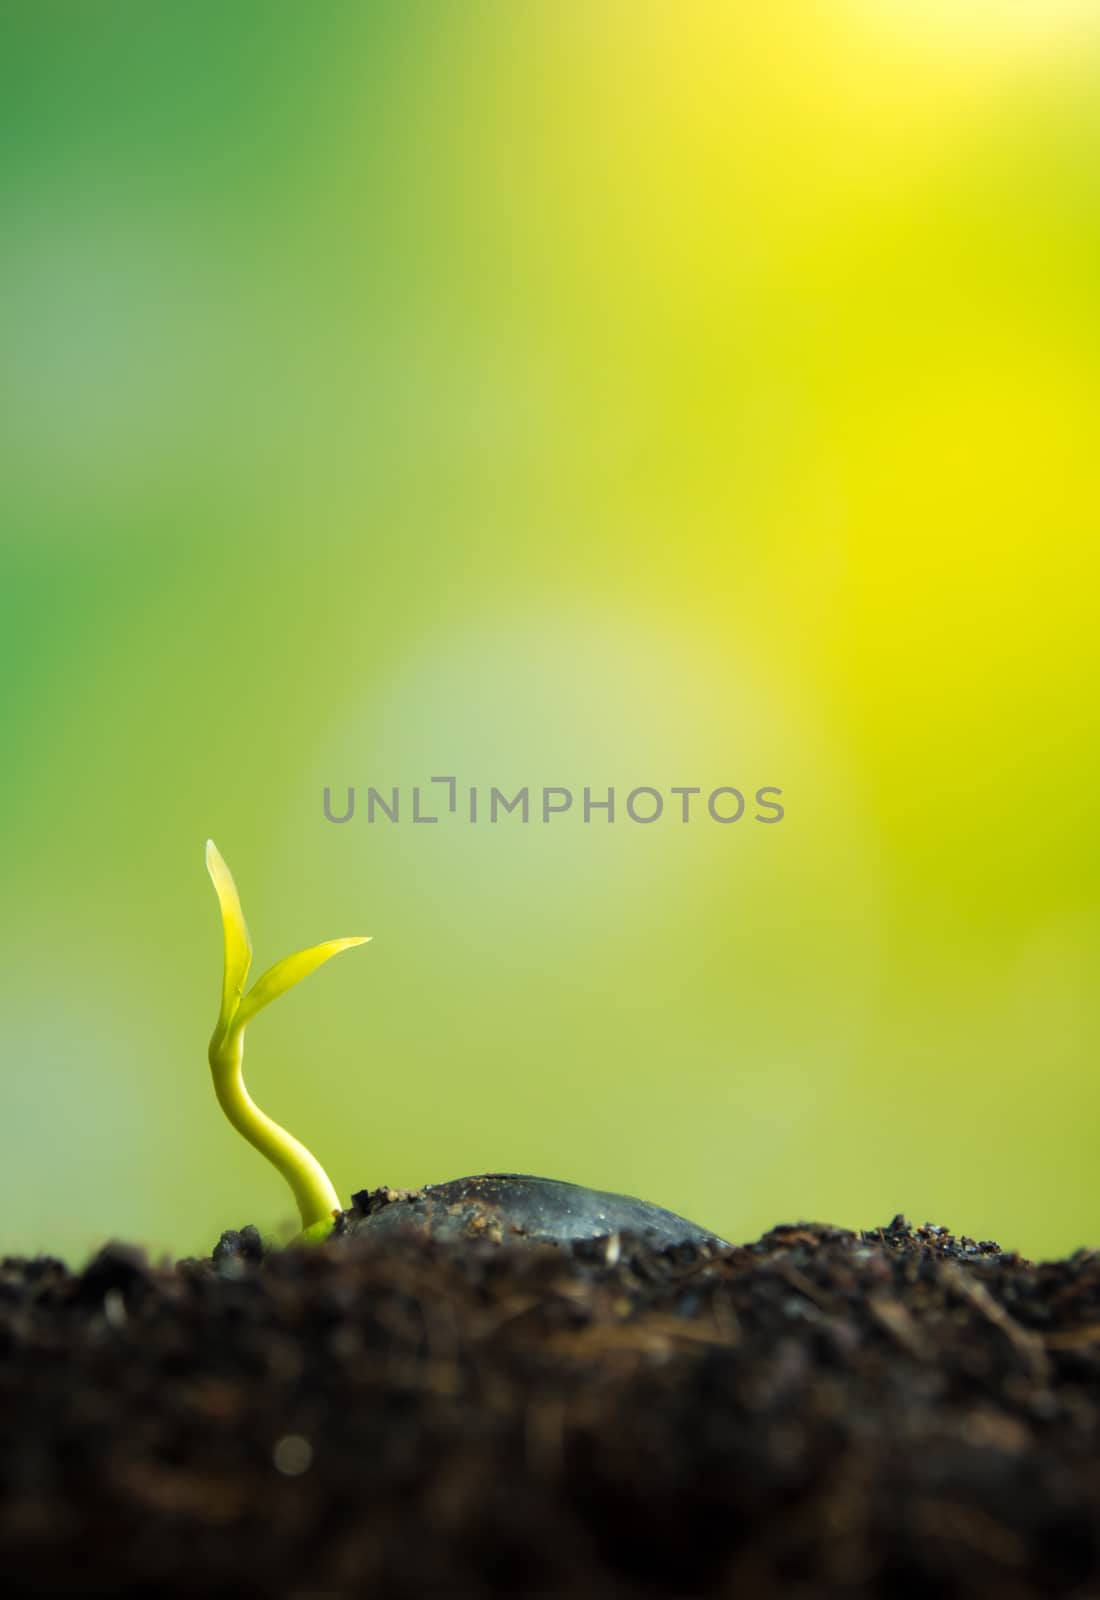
598 393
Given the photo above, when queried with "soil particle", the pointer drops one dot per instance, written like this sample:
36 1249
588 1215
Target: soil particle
895 1413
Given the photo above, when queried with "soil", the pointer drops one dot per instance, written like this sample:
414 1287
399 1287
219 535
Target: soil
897 1413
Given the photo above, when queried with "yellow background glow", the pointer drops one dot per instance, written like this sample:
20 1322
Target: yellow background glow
602 394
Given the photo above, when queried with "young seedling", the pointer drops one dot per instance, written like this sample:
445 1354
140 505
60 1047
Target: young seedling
503 1206
318 1202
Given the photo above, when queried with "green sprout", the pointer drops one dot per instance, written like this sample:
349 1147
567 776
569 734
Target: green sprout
317 1200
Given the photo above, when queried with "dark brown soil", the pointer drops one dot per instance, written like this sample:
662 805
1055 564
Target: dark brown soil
896 1413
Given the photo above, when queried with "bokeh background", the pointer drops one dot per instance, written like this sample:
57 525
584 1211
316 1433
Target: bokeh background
610 393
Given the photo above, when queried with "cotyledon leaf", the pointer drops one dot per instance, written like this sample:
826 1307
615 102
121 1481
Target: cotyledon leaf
286 973
238 946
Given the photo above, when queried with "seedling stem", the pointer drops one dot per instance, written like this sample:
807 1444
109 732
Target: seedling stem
317 1199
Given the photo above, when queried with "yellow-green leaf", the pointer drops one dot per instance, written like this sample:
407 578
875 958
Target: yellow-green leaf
238 946
286 973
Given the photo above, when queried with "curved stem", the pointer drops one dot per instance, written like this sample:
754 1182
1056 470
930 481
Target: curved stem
316 1197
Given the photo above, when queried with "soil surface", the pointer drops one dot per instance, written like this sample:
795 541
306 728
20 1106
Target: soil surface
894 1413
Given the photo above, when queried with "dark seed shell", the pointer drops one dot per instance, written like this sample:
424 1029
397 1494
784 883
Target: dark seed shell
510 1207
